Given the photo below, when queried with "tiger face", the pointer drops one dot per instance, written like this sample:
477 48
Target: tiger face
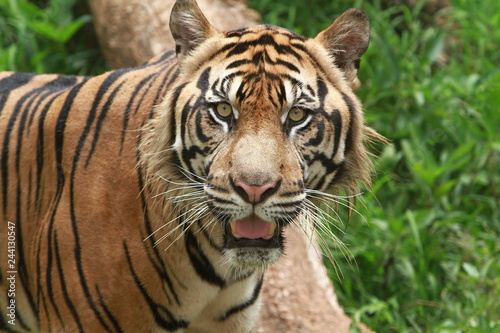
264 119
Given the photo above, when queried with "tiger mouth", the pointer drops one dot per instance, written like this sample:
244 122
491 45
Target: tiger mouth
252 231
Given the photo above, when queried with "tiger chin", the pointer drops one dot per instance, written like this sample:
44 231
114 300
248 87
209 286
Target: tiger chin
152 199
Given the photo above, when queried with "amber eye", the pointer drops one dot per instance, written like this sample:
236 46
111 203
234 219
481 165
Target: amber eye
296 114
223 110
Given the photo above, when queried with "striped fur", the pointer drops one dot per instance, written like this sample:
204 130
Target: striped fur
124 188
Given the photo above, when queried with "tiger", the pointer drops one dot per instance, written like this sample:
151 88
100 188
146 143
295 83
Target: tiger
153 199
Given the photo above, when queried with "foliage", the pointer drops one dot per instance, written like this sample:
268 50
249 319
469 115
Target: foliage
38 38
425 239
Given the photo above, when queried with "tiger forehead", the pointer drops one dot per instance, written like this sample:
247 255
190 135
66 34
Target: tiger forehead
274 41
265 66
252 33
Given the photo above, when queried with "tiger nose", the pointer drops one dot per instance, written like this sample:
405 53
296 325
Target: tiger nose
256 193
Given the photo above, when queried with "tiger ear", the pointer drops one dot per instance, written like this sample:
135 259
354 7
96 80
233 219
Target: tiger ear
189 27
346 40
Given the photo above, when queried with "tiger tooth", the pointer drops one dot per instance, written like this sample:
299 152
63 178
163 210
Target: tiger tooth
233 227
272 227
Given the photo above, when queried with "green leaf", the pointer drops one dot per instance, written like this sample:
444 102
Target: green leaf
471 270
73 27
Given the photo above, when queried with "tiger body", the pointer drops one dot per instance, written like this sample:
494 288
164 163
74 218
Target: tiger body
152 199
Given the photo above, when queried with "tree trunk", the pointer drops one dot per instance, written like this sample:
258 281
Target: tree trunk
133 31
297 294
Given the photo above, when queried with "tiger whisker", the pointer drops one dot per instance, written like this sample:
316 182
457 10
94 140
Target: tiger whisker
196 206
187 222
195 184
175 189
188 175
329 198
188 198
342 200
313 215
321 216
159 151
324 245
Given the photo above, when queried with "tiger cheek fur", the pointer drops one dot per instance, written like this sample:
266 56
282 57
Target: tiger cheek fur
152 199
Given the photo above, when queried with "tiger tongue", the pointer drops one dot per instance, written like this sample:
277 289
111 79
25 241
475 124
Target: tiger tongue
252 227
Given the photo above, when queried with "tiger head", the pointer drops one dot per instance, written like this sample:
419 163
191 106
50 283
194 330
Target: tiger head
264 120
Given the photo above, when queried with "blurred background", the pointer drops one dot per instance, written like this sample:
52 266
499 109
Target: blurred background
425 241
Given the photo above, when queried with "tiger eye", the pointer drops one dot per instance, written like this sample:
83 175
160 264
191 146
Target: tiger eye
224 110
296 114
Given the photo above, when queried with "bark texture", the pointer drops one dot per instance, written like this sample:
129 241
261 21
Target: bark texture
133 31
297 296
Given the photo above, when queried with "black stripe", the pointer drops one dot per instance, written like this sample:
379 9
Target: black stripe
214 187
238 63
21 268
206 235
40 148
339 174
203 80
108 313
241 93
291 194
170 66
274 102
266 39
78 253
161 91
10 83
218 200
352 113
223 49
164 58
58 147
244 305
161 314
187 154
133 95
336 120
104 86
18 110
60 84
21 265
318 139
60 131
100 120
311 90
173 124
229 77
273 30
156 260
69 303
199 128
288 65
322 92
23 275
237 32
200 262
293 204
329 166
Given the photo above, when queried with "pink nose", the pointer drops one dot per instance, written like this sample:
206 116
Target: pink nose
255 193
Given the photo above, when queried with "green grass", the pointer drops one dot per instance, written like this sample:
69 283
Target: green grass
426 238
